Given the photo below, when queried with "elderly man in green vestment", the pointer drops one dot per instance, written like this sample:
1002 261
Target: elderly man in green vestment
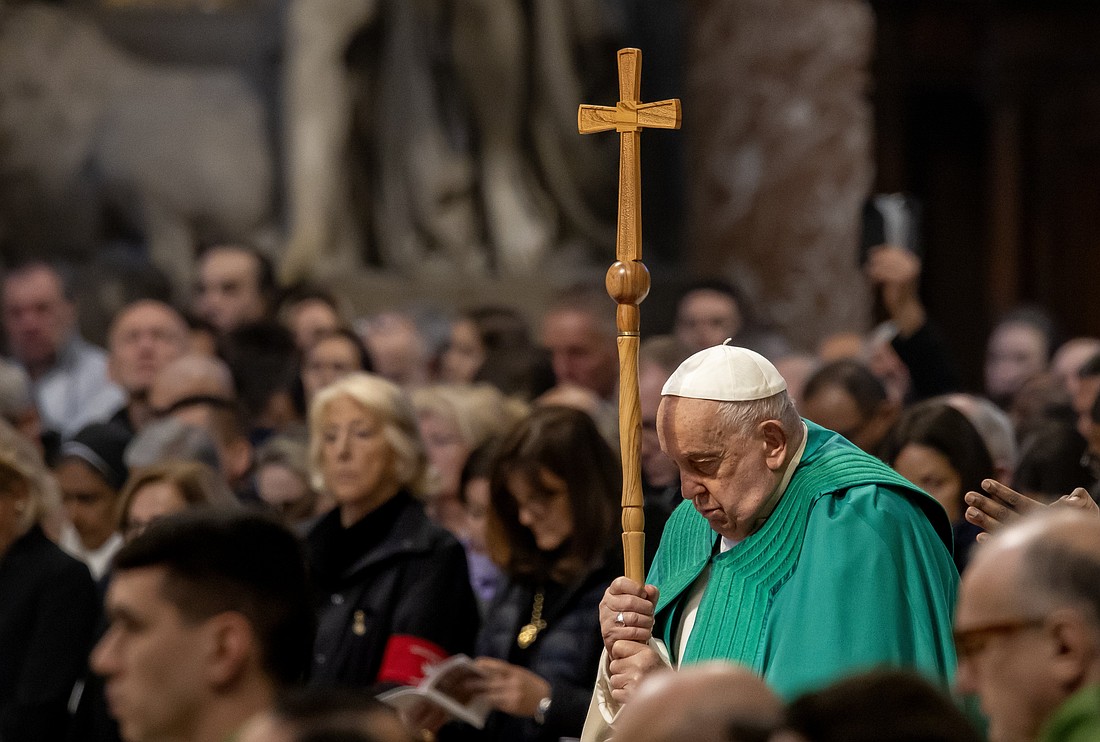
794 553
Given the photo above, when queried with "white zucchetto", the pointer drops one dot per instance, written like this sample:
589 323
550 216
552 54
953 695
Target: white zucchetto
725 373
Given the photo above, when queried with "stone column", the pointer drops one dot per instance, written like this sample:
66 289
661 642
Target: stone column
779 161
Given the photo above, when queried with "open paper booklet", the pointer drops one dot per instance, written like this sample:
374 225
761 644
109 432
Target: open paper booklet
444 685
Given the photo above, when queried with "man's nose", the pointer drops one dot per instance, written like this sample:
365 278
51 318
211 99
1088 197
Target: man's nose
690 488
102 657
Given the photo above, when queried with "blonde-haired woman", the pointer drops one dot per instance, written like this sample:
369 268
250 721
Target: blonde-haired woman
454 419
48 602
392 587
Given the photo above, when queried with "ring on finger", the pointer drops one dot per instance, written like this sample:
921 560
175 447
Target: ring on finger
620 620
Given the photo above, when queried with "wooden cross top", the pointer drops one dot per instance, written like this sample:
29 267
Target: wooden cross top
629 117
628 280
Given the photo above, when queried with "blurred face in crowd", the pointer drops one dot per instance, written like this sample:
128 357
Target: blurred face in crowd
1069 358
309 319
833 407
1083 399
930 470
1016 352
705 318
446 449
727 475
477 512
144 338
543 507
228 293
357 462
89 501
14 500
153 660
1006 656
28 423
464 355
658 470
580 352
285 490
154 500
397 348
37 317
447 452
327 360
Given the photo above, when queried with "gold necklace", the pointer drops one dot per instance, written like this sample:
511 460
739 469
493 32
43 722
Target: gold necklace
530 632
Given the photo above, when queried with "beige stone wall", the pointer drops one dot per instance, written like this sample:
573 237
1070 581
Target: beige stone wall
779 135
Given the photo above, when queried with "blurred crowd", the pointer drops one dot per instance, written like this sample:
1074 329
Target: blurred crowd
252 514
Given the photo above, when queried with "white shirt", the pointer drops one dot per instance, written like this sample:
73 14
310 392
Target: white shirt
98 560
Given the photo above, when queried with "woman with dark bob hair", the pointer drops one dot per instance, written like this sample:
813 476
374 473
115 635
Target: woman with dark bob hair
937 448
552 528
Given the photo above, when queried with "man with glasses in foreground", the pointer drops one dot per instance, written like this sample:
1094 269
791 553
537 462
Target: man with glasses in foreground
1027 629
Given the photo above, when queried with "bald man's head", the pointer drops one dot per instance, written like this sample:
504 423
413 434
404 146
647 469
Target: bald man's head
198 390
1041 553
710 702
1027 624
191 376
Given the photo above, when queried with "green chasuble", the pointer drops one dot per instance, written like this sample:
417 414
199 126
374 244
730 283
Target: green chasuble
1076 720
852 570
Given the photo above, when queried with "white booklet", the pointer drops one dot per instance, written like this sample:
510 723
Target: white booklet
444 685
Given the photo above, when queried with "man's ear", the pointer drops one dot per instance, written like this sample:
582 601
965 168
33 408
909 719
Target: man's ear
775 443
230 645
1075 649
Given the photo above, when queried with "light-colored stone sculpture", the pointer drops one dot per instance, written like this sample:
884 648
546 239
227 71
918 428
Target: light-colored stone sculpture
180 152
319 94
476 167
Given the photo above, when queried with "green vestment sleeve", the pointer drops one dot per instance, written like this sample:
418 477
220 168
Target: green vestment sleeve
869 590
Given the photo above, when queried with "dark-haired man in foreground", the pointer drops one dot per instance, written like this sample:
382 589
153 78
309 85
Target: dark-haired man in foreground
209 617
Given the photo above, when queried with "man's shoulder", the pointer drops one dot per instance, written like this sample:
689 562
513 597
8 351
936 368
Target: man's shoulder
861 485
872 503
38 560
878 522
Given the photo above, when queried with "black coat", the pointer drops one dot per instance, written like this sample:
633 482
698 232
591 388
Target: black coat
413 581
566 653
48 613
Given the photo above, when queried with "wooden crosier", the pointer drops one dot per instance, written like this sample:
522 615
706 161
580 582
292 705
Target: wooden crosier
628 279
